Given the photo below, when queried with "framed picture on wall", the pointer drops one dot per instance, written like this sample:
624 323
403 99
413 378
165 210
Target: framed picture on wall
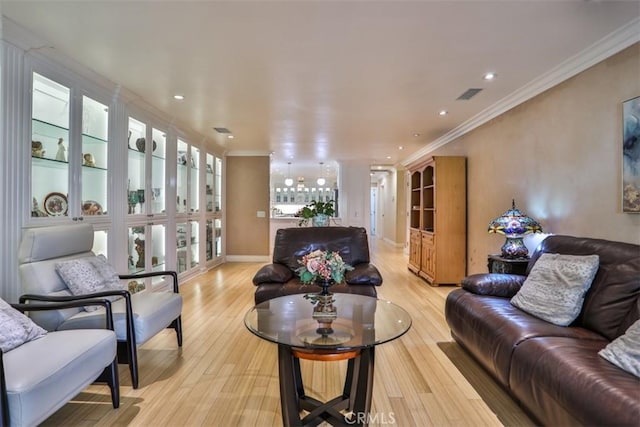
631 155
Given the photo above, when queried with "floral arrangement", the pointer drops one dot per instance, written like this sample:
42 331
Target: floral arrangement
322 266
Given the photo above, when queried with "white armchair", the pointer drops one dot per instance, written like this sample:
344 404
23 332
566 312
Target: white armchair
137 318
39 376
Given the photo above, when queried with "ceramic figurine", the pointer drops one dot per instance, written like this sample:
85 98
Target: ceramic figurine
89 160
36 149
60 155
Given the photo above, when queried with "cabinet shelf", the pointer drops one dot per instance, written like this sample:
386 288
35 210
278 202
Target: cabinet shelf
95 169
49 163
48 130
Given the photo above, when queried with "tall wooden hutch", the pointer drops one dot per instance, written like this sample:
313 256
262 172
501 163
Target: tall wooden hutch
437 219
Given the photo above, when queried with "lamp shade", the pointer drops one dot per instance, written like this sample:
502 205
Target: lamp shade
514 224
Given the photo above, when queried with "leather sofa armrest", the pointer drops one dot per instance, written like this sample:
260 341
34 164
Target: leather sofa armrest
493 284
271 273
363 274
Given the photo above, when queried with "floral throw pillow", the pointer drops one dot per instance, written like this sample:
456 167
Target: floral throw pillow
624 351
554 289
16 328
89 275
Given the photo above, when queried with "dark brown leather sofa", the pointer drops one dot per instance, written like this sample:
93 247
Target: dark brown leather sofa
279 278
555 372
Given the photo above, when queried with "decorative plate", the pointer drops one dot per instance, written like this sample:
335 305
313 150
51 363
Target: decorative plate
55 204
91 207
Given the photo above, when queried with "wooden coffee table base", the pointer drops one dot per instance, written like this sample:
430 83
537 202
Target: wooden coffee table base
356 396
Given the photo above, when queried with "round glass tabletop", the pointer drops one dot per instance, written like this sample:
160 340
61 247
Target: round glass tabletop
358 321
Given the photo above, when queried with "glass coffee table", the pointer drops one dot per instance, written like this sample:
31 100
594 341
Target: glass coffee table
358 324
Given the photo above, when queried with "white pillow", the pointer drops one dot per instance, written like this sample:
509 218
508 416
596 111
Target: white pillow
555 288
16 328
624 351
89 275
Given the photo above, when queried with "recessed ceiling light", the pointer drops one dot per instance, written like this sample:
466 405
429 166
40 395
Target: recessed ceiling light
178 97
490 76
401 148
389 157
230 136
416 134
443 112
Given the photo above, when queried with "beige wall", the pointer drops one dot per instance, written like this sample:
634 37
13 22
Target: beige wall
558 155
247 192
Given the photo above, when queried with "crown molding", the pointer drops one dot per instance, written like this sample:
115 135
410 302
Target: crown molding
608 46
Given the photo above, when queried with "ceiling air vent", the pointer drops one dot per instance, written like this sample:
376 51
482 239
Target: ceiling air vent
469 93
222 130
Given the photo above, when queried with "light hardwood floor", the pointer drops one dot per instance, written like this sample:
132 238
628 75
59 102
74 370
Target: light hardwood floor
226 376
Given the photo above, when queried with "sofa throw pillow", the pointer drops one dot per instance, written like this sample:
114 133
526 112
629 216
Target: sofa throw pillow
624 351
89 275
16 328
554 289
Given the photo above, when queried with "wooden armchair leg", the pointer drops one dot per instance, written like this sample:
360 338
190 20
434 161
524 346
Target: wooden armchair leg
110 376
177 325
128 354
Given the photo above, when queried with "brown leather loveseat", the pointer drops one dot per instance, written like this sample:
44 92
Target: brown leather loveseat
555 372
279 278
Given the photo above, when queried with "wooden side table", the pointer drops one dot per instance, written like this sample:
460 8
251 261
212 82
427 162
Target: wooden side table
498 264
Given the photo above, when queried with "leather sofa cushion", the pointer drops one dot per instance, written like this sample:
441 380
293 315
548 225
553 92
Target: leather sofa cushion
563 381
493 284
363 274
292 243
271 273
491 328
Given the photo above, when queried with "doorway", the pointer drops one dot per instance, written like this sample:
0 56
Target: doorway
373 210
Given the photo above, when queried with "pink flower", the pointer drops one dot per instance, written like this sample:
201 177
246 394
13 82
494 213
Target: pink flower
313 265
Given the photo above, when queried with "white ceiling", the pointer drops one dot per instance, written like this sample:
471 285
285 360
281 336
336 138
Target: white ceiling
316 81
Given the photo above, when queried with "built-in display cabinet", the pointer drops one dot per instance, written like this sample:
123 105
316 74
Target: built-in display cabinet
128 175
437 219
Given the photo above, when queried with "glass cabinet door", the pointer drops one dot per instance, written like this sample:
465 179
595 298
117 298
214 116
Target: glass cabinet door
218 234
218 193
95 128
209 240
146 249
181 177
209 182
146 194
137 249
49 142
181 245
158 247
195 246
136 166
158 166
194 181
